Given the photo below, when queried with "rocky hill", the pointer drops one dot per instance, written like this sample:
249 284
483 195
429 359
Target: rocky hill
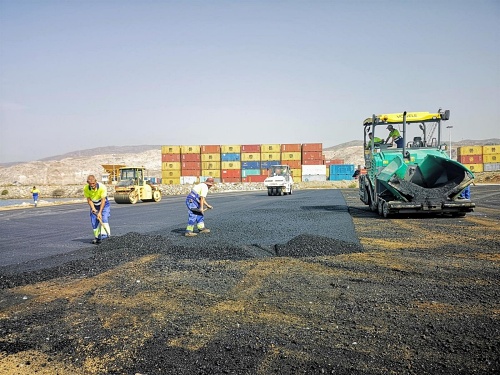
73 168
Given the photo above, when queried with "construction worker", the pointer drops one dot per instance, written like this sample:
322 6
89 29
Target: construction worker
35 193
196 201
373 140
395 135
100 208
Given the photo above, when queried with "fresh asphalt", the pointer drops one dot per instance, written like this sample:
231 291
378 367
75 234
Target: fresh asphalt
45 236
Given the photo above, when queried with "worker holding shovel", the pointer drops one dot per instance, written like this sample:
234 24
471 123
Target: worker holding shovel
196 201
100 208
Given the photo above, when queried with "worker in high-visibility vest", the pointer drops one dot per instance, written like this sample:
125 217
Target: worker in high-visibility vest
35 192
100 208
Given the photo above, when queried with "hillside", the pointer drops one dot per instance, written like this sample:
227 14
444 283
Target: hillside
73 168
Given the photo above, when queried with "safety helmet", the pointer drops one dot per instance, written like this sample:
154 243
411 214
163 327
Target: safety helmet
209 181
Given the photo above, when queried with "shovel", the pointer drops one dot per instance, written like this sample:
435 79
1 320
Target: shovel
103 226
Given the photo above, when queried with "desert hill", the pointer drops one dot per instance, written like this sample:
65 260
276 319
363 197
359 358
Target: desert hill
73 168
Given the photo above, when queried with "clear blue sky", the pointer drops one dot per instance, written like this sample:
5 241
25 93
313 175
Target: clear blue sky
82 74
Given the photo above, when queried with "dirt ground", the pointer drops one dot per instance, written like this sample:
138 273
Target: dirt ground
420 296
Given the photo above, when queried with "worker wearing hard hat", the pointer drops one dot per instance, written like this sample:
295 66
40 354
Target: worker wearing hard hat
395 135
196 201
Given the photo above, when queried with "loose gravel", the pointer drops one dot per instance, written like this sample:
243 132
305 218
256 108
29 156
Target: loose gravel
413 296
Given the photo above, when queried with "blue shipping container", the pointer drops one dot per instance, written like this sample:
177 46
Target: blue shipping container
342 169
250 165
230 157
268 164
341 177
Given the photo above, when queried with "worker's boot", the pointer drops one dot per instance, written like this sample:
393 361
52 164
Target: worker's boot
205 230
190 234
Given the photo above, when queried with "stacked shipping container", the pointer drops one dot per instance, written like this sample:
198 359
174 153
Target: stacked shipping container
243 163
480 158
251 170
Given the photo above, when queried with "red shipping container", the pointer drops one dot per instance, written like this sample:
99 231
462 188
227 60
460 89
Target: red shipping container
230 179
291 147
191 172
211 149
191 165
312 147
256 178
334 161
309 155
470 159
170 157
230 173
312 162
190 157
293 164
250 148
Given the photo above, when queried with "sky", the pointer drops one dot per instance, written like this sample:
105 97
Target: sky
77 75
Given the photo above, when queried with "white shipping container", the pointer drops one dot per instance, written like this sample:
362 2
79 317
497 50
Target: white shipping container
314 169
314 177
491 167
189 180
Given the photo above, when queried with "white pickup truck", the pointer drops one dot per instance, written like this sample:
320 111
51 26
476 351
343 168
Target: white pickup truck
280 180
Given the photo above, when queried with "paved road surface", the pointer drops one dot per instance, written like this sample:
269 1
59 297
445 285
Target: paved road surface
249 218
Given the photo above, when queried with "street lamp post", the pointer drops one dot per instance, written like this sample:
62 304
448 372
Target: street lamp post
450 127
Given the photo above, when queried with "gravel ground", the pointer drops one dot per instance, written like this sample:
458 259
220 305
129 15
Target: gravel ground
414 296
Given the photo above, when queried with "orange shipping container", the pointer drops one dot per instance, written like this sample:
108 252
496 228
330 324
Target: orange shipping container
191 165
254 178
292 163
470 159
312 162
250 148
170 157
231 179
190 172
334 161
308 155
190 157
291 147
211 149
312 147
231 173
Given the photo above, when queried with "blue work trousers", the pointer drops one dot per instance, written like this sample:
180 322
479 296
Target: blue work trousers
96 225
195 214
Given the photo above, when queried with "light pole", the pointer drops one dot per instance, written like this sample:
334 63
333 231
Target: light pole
450 127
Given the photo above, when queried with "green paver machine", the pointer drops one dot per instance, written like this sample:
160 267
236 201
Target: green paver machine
419 177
